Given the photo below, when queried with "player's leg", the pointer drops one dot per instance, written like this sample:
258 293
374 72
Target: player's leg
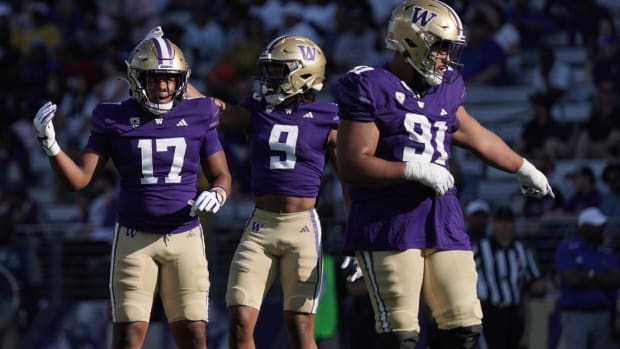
301 273
252 272
394 281
133 284
450 291
184 287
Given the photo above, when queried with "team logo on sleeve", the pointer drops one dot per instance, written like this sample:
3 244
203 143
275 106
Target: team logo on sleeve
422 16
400 97
134 122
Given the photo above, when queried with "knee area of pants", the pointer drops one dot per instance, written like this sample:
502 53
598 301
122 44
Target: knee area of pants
236 296
132 313
460 315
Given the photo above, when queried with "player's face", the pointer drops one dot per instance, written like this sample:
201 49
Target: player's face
440 56
273 75
160 87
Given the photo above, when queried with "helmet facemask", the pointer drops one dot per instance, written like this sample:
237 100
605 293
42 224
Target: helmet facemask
289 66
423 31
148 62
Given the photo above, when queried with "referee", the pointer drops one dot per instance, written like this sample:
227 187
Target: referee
507 271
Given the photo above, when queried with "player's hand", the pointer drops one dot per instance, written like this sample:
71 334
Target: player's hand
351 269
431 175
44 128
207 201
533 182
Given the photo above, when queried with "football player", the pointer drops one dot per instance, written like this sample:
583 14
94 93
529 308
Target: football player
405 225
159 142
290 136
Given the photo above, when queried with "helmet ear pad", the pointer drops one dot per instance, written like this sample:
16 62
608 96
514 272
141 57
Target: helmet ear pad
156 56
302 65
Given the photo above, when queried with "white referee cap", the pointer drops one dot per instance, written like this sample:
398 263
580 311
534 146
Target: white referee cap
592 216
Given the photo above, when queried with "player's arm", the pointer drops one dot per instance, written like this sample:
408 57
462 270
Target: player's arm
231 116
357 163
485 143
356 146
332 140
494 151
75 176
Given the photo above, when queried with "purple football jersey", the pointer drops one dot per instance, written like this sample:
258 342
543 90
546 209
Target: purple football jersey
411 128
288 146
158 159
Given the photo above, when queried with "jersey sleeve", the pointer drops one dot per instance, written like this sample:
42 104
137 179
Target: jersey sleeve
211 142
98 141
355 101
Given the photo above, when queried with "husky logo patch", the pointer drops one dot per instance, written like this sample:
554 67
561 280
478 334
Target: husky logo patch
422 16
134 122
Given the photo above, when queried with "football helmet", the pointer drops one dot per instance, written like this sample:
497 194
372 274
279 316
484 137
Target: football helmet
289 65
156 55
419 29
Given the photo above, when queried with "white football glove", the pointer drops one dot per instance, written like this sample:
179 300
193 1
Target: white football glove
533 182
44 128
431 175
207 201
351 269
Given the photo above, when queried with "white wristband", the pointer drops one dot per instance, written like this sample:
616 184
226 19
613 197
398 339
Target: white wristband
53 150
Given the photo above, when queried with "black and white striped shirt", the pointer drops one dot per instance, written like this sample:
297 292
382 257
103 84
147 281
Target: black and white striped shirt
503 272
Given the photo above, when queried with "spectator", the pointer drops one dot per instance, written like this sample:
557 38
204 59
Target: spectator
605 64
589 280
204 39
505 34
355 42
551 77
294 23
532 23
19 258
542 135
477 219
600 135
585 193
507 275
484 61
610 204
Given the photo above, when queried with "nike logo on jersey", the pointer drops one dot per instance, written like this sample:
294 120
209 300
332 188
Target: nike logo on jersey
304 229
182 122
308 115
420 104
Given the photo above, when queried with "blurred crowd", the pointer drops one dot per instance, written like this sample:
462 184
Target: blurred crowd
73 52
